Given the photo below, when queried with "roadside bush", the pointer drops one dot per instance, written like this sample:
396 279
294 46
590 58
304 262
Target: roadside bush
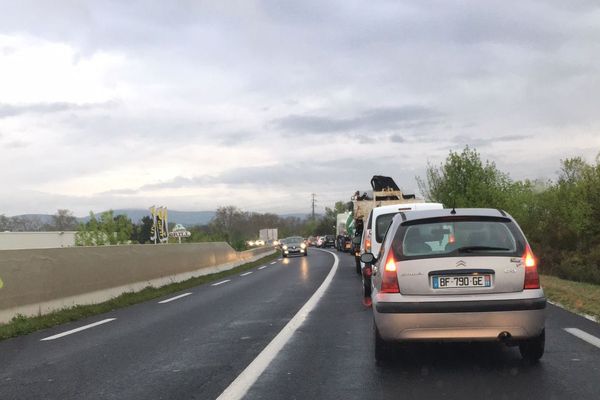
560 218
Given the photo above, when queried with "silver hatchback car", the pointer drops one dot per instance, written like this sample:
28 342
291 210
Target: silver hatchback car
457 275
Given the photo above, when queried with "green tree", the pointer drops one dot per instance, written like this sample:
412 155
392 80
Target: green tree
141 232
463 180
326 225
63 220
106 230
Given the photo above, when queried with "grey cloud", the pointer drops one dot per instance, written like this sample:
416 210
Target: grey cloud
397 139
11 110
375 119
486 141
16 144
321 173
179 182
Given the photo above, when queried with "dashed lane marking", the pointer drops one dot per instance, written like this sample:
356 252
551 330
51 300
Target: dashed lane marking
246 273
220 283
81 328
174 298
591 339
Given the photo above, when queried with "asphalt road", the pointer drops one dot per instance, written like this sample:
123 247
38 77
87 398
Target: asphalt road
193 348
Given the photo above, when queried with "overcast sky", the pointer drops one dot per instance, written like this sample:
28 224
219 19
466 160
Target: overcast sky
197 104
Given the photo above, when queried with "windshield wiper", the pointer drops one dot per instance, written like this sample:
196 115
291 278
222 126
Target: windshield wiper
470 249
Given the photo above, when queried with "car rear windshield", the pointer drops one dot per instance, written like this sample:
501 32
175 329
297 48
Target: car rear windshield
382 223
330 237
458 237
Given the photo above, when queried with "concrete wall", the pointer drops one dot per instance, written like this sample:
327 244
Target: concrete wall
35 282
36 240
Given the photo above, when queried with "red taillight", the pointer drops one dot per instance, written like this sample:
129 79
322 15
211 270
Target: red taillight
532 278
389 280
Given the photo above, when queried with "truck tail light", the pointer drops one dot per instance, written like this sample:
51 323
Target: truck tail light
532 278
389 279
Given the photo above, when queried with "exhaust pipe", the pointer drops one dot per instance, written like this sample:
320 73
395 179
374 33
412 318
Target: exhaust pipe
504 337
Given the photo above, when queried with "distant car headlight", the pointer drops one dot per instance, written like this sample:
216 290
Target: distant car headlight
303 246
285 246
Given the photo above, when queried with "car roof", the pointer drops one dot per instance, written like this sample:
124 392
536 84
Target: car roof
407 207
447 212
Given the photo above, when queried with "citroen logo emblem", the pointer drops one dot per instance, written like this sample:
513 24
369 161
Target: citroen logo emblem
461 263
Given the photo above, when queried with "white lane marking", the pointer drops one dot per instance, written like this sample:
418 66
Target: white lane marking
174 298
279 259
239 387
220 283
246 273
591 339
274 262
263 267
586 316
81 328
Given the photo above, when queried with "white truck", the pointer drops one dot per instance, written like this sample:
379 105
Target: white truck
340 226
268 235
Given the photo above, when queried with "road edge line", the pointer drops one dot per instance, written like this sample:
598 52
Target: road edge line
584 315
244 381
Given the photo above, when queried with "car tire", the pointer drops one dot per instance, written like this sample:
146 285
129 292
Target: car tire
305 253
382 348
533 349
284 255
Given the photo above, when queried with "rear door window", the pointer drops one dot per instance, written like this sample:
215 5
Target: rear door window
382 223
464 237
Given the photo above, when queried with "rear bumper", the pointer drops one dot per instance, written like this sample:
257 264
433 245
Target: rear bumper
460 321
461 306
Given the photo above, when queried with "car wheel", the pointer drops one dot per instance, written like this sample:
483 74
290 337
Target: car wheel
305 253
284 255
533 349
382 348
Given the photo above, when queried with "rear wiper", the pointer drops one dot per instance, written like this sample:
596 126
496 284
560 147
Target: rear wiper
469 249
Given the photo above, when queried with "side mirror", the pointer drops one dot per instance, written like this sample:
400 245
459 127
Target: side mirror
367 258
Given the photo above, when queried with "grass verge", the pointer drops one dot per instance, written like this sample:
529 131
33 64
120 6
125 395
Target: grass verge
579 297
21 325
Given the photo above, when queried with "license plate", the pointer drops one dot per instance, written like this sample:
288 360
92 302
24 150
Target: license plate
461 281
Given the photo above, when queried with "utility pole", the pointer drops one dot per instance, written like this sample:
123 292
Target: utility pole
313 205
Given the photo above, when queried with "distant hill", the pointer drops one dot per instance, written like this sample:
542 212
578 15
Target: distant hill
302 216
41 218
186 218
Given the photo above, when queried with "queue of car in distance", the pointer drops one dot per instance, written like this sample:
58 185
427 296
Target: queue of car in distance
456 275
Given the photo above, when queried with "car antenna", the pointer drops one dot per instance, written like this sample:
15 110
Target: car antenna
453 212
